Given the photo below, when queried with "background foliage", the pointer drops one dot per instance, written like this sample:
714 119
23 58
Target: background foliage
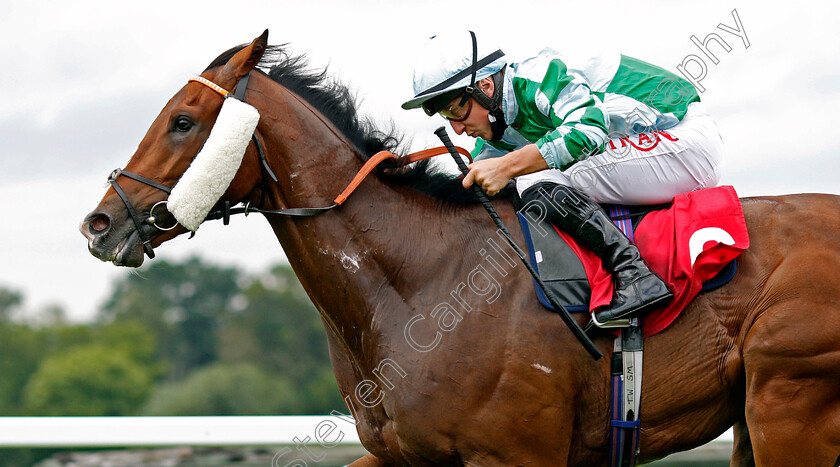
175 338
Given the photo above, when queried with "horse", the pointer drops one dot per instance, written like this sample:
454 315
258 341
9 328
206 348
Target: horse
439 347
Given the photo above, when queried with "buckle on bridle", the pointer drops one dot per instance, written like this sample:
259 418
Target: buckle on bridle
113 176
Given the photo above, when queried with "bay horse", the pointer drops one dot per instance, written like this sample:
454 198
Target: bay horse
438 344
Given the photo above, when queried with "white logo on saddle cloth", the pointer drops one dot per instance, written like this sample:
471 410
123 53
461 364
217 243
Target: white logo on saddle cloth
709 234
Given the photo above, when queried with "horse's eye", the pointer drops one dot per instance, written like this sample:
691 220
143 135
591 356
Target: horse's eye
182 124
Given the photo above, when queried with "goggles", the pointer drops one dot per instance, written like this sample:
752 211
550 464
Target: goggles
457 111
453 111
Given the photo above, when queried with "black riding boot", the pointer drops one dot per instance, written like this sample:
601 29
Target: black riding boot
637 288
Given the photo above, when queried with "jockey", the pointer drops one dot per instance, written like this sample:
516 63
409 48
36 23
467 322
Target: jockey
574 133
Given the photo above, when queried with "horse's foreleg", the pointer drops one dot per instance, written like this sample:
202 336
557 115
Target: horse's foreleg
742 452
369 461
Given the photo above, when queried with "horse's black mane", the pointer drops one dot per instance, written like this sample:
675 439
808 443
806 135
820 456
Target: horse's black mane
338 104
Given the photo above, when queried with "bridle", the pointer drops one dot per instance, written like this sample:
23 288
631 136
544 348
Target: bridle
151 219
226 211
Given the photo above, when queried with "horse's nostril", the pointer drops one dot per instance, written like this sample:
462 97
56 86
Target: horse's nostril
99 223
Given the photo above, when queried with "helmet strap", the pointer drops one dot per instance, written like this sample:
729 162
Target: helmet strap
497 124
490 103
473 67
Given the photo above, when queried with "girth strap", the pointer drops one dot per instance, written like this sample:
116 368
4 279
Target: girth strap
626 372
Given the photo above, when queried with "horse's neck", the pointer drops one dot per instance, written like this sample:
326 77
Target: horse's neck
364 263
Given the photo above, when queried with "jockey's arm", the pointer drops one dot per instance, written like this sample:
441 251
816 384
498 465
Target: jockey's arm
493 174
580 124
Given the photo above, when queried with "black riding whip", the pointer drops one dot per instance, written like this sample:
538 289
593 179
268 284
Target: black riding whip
485 201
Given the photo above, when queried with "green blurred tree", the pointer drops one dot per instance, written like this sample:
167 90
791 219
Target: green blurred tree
130 337
88 380
183 305
50 315
277 327
21 350
10 301
200 314
25 350
225 389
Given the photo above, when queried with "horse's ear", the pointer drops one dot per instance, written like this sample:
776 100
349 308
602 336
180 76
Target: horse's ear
246 59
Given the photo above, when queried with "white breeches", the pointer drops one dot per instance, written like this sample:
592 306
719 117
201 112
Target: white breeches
646 168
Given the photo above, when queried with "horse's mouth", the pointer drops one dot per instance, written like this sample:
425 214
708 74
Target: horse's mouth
128 252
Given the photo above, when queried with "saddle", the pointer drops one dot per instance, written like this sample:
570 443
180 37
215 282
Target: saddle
691 243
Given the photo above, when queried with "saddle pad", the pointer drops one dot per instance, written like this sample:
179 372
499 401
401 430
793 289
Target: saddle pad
557 264
693 241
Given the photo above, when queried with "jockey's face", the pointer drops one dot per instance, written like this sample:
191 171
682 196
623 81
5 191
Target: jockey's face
477 122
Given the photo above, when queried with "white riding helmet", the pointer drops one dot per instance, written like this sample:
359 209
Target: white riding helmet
449 62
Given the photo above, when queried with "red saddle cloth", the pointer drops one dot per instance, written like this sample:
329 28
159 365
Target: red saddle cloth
686 245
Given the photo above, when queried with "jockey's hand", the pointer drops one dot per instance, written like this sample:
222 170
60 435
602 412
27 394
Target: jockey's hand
489 174
493 174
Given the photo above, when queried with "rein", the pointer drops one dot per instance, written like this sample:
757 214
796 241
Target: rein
227 210
366 169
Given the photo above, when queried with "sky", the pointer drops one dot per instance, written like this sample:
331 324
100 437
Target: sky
83 81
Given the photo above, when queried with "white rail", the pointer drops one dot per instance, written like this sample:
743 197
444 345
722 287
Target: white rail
175 431
326 430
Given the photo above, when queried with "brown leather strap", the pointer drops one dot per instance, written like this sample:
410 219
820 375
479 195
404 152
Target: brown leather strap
360 175
384 155
427 153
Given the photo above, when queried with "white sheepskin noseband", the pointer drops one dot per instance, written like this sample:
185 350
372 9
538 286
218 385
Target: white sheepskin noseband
212 170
